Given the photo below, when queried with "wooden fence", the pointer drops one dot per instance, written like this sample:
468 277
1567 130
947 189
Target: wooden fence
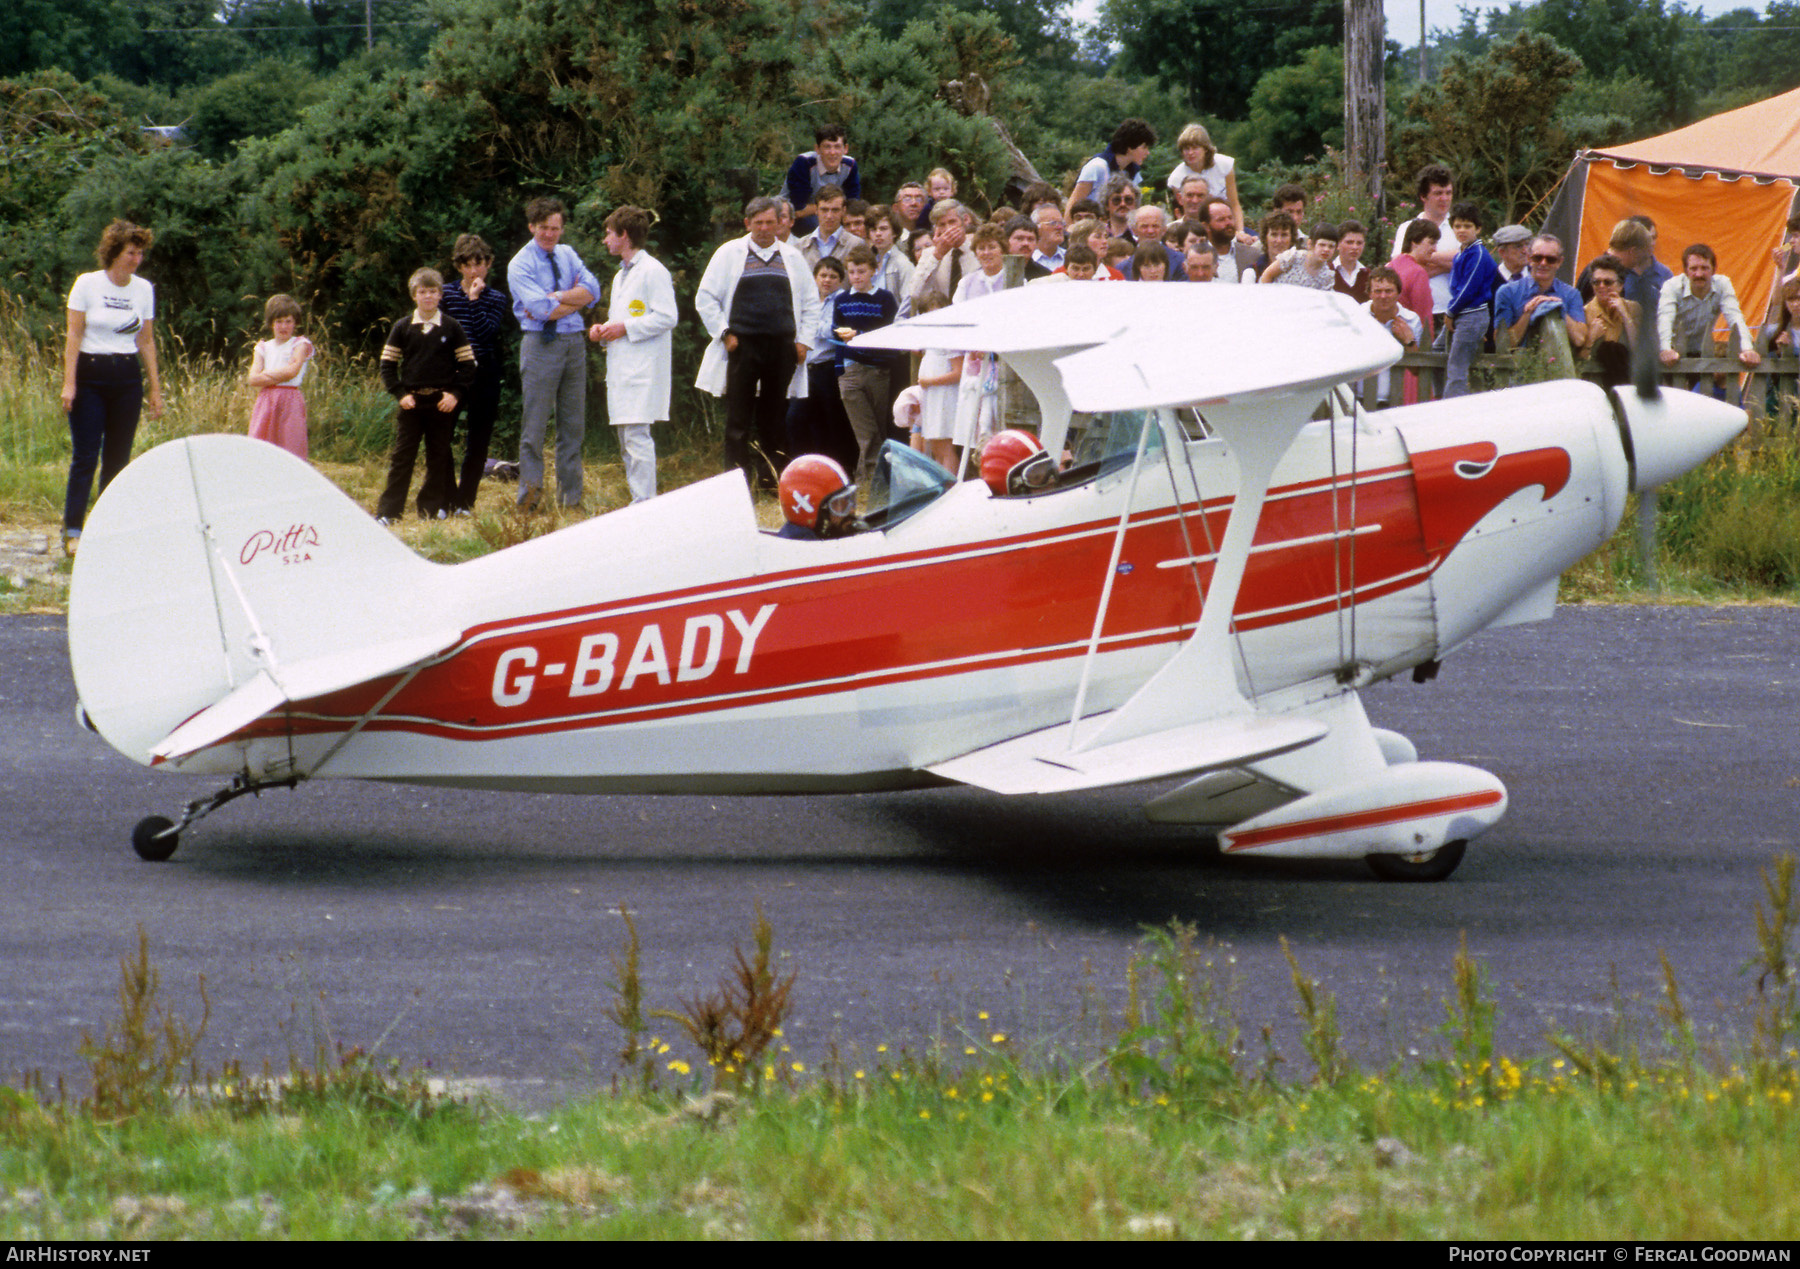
1770 394
1545 354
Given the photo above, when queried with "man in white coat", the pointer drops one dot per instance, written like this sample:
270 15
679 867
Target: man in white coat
639 347
758 301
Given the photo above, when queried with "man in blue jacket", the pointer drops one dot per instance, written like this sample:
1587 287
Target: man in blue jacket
1472 278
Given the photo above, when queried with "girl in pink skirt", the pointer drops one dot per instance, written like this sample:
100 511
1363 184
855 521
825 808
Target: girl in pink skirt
277 367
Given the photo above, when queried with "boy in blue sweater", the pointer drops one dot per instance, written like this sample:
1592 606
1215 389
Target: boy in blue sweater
863 376
1472 278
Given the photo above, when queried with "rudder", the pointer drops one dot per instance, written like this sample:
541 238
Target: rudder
214 558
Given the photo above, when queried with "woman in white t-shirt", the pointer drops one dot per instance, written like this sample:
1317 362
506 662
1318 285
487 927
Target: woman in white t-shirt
108 353
1199 157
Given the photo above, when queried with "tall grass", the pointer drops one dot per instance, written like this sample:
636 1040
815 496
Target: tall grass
349 416
1737 518
34 431
350 421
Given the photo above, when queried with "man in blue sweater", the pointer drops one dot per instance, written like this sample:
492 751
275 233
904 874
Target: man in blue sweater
828 164
1540 294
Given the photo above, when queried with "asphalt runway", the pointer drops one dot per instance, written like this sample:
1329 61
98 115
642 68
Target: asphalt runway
1650 754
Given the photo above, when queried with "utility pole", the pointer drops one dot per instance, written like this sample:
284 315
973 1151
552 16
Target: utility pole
1365 101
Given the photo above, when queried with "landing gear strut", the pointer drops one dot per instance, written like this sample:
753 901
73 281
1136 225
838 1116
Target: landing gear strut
156 837
1432 865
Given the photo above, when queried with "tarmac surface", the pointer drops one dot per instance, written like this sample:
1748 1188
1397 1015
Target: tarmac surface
1650 754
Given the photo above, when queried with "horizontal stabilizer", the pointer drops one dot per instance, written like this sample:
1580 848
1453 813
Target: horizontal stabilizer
1042 762
213 724
304 681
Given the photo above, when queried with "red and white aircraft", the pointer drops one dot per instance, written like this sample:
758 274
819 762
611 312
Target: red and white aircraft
1236 550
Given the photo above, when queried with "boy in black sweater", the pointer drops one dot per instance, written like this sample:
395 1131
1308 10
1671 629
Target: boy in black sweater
427 363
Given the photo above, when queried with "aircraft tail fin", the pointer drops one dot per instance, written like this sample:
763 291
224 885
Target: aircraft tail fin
218 573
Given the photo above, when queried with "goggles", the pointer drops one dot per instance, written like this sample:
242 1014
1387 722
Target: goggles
842 504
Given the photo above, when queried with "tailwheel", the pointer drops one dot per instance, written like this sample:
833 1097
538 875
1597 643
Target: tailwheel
155 838
1430 865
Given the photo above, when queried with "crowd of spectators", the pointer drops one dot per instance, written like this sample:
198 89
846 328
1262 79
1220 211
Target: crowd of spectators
1452 281
820 265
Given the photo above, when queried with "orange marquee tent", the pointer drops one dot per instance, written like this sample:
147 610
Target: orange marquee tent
1728 181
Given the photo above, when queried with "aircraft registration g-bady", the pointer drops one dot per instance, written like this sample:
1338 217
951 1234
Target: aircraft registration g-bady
1235 550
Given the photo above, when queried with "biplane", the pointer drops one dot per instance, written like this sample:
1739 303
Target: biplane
1232 548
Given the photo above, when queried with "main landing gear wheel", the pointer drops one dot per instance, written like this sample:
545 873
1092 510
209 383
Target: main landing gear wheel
155 838
1431 865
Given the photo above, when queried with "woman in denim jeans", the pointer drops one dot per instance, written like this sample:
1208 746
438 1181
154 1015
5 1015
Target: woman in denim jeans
108 350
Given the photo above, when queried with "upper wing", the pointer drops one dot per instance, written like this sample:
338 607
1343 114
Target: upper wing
1138 347
1258 361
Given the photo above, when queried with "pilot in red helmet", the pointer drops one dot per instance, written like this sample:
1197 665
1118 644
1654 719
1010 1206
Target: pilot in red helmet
1007 459
817 499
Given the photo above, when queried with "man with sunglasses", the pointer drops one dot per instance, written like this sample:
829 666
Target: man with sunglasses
1120 199
1520 303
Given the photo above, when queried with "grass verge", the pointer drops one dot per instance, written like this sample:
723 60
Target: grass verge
1177 1129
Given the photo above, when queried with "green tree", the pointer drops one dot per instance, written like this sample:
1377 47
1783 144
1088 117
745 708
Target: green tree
1476 31
74 161
1756 52
259 101
375 180
167 42
174 43
214 255
667 105
893 94
1215 51
1638 38
72 34
1041 30
654 106
324 33
1086 110
1296 110
54 131
1492 121
1599 112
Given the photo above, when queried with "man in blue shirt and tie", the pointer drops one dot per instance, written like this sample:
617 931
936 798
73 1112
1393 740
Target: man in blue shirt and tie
550 286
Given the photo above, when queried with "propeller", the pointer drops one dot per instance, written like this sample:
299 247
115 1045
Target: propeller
1644 366
1645 370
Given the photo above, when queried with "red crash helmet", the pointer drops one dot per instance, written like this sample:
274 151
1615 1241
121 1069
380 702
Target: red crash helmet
810 485
1004 452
